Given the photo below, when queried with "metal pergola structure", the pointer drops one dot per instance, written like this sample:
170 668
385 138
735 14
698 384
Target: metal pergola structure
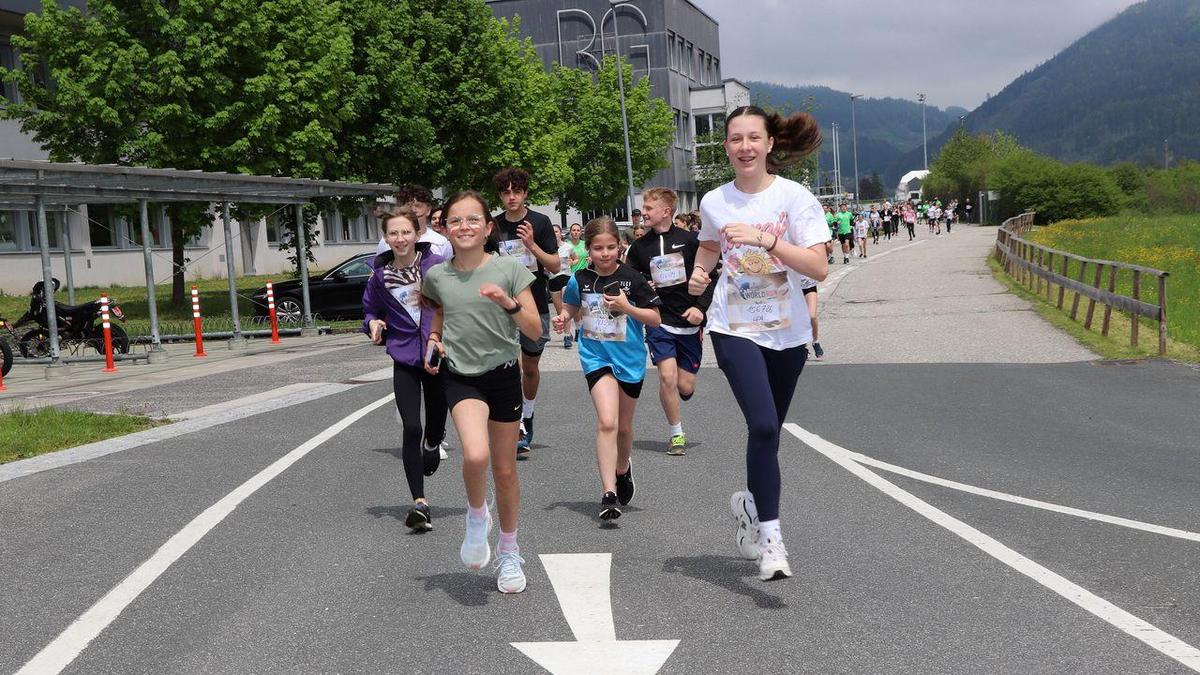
40 186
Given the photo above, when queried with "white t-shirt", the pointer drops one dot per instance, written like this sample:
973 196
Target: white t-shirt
439 245
756 296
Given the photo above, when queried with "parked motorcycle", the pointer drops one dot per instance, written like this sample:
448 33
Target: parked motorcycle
79 326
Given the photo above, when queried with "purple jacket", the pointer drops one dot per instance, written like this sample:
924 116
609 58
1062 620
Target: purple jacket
405 340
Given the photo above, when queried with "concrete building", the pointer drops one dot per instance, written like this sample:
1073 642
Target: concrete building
673 42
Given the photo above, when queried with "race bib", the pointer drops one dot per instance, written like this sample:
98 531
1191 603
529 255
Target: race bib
668 270
758 302
516 248
600 324
409 297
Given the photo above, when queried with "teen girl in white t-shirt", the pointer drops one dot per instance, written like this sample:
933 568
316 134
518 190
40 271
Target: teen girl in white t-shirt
769 233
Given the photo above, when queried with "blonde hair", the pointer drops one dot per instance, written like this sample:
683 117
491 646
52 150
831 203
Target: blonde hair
661 194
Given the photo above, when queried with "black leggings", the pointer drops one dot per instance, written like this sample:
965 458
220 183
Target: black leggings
911 227
409 382
763 382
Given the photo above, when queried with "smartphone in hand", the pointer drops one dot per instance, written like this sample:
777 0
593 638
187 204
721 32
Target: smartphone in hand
433 357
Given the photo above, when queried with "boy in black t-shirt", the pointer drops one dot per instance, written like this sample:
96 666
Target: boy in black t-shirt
529 237
666 256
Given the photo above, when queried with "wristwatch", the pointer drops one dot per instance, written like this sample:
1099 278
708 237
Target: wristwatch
516 307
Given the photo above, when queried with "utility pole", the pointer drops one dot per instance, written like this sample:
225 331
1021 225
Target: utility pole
1166 156
924 137
616 5
854 141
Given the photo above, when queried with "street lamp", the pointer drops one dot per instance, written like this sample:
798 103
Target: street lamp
924 138
616 4
854 142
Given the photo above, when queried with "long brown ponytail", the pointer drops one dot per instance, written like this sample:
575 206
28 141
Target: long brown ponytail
796 136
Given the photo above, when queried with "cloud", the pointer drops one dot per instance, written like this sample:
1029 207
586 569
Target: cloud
956 51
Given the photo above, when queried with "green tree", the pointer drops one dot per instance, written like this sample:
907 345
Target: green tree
591 112
247 86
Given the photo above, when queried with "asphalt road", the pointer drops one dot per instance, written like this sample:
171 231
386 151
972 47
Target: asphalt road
315 571
1021 516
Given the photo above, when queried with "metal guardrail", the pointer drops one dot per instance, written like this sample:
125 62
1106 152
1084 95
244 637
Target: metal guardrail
1033 266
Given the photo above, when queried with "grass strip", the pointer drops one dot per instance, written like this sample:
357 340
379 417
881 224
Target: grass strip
1116 345
36 432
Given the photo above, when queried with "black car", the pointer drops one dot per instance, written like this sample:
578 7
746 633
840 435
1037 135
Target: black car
334 295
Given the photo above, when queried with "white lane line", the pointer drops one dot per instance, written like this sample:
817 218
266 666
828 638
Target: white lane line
1134 626
57 655
54 460
1024 501
374 376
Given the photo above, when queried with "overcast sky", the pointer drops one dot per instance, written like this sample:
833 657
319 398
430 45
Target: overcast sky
956 51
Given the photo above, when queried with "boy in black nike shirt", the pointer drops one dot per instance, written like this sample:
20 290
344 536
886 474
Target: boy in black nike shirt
666 255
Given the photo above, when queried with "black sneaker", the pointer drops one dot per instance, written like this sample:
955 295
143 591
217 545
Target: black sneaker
608 507
419 519
625 487
431 458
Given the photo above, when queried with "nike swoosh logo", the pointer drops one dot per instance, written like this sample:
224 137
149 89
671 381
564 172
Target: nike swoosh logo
677 246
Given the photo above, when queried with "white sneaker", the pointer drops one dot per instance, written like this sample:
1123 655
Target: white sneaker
746 515
510 578
475 552
773 561
442 450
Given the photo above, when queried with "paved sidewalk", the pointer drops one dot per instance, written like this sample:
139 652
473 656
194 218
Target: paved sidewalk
28 387
933 301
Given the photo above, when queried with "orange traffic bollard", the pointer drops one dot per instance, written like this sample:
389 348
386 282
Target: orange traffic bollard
271 311
196 323
109 366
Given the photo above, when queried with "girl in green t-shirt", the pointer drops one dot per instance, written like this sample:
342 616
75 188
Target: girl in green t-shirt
480 301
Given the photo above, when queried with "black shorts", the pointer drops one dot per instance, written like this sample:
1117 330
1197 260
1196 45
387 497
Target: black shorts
845 237
558 283
631 389
810 289
499 387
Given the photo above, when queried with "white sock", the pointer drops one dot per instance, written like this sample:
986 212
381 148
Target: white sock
768 530
527 407
677 429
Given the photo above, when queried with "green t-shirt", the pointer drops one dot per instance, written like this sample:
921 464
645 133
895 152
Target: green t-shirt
581 251
844 219
830 220
477 334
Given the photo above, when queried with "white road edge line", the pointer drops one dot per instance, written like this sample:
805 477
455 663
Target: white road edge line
1025 501
57 655
1134 626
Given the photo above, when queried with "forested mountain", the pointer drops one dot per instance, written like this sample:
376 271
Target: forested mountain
887 127
1113 95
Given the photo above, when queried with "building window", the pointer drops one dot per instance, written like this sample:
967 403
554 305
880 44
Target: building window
703 128
671 50
687 131
678 128
691 62
717 69
101 228
278 227
9 61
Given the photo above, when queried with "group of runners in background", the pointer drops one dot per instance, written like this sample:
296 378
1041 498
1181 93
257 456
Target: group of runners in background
851 229
464 300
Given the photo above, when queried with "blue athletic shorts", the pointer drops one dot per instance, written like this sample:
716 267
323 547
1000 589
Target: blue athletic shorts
687 350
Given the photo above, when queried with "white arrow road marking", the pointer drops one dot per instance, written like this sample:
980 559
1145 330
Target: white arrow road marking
1134 626
581 582
62 651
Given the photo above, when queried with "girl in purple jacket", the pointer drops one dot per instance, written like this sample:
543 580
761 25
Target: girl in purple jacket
395 317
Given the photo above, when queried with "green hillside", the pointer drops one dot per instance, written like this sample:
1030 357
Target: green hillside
1113 95
887 127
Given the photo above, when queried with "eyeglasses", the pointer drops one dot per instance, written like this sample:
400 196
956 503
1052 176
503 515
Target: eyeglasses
458 221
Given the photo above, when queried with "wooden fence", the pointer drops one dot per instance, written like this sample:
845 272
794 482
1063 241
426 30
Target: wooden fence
1041 268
